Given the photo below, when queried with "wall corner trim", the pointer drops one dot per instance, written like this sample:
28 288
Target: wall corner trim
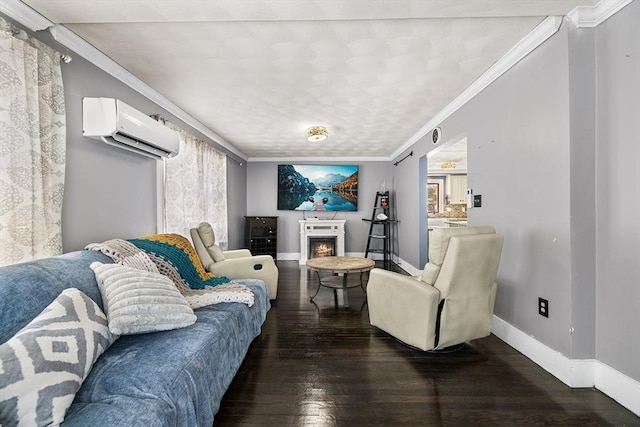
531 41
573 372
592 16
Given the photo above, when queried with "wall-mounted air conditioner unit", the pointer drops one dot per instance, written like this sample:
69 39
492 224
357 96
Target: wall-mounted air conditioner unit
120 125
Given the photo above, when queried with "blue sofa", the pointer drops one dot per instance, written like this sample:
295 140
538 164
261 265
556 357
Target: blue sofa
169 378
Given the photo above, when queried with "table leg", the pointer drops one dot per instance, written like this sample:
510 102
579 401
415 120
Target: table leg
345 296
319 284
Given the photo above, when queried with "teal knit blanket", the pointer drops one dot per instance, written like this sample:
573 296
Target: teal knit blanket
178 252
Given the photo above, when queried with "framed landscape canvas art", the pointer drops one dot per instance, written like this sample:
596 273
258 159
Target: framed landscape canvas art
318 187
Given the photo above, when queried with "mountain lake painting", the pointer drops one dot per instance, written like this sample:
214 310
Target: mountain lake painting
318 187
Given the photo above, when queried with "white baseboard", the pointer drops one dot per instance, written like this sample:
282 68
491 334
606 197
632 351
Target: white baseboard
621 388
406 266
288 256
573 372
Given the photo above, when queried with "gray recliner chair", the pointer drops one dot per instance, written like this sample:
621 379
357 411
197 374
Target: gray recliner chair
235 264
451 302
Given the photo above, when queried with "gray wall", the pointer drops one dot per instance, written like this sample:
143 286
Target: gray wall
518 156
262 197
564 195
582 90
618 191
110 192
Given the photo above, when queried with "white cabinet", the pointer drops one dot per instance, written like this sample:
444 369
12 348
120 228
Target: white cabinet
457 189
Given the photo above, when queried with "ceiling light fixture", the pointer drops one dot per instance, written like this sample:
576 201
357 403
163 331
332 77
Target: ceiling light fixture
448 165
317 133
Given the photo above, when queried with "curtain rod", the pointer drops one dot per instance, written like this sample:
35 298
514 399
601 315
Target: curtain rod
164 121
403 159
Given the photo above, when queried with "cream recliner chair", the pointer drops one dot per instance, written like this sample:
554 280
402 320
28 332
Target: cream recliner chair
235 264
452 302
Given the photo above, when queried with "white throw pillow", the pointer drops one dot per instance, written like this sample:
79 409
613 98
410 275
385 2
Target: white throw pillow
138 302
43 366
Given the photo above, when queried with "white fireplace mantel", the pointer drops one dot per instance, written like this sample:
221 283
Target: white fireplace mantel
321 228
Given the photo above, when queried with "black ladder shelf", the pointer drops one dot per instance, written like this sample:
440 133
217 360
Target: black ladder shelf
380 229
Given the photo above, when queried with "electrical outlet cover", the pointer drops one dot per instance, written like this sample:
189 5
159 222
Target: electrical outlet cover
543 307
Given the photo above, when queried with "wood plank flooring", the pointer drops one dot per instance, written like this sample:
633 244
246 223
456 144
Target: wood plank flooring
317 365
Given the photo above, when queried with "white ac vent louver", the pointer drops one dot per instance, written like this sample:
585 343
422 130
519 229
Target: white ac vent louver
122 126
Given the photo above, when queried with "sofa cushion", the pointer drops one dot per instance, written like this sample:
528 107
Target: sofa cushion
44 364
138 301
35 284
175 377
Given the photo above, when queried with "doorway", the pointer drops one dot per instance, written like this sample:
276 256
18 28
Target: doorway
438 169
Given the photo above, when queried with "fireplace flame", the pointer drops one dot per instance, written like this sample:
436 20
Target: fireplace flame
322 248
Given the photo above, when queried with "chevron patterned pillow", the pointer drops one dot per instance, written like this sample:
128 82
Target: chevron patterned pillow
44 364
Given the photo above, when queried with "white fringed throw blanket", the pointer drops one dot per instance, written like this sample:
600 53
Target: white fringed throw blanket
199 287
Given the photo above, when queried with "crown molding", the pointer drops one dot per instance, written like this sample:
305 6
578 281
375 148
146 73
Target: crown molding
531 41
592 16
319 159
23 14
581 17
78 45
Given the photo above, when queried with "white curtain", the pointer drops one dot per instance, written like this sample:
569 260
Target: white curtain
195 188
32 148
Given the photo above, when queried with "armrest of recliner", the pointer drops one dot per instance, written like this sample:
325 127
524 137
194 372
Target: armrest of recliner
234 267
237 253
261 267
403 306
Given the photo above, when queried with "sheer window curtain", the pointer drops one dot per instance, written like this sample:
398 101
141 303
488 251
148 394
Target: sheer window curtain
195 188
32 147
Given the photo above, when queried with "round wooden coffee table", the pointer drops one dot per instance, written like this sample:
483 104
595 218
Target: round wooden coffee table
336 265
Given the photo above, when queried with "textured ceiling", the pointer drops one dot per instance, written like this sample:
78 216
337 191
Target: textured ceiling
258 73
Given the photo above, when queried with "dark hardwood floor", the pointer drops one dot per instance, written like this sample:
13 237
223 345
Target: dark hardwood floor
317 365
